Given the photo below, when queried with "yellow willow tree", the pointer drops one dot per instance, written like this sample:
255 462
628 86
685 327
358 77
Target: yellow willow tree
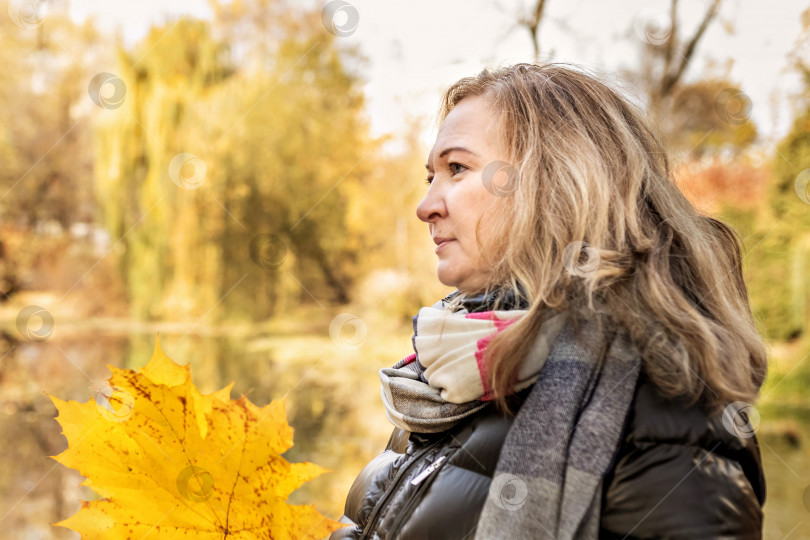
228 183
139 134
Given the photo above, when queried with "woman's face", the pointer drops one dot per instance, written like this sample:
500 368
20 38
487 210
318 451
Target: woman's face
459 194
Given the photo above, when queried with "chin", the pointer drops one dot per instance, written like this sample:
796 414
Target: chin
458 282
449 279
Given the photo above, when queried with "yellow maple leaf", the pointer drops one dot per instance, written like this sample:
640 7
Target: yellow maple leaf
170 462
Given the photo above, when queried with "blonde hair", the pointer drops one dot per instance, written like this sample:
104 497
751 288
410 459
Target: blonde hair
591 173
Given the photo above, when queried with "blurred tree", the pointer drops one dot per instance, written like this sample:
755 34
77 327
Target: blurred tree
45 134
252 215
696 118
672 56
705 123
707 117
799 58
158 226
789 203
700 117
305 159
43 129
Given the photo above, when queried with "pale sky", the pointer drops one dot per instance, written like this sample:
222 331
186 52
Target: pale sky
417 48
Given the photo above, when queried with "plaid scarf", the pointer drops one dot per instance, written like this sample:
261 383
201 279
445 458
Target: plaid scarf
547 482
446 378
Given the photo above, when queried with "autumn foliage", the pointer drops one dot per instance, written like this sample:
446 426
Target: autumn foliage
169 462
712 184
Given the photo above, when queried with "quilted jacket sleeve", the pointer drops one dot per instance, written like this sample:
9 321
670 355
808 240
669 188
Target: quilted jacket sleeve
680 474
671 491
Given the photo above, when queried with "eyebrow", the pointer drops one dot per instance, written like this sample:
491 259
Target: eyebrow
448 150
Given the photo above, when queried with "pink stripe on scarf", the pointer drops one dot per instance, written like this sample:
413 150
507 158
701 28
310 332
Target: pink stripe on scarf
482 345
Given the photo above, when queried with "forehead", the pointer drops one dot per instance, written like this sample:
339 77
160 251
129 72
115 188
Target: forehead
472 124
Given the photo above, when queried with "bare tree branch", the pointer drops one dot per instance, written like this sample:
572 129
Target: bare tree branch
671 79
672 42
532 23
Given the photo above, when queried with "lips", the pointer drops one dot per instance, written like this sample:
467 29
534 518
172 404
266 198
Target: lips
441 242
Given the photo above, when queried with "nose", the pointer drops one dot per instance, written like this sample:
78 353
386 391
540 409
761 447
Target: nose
432 206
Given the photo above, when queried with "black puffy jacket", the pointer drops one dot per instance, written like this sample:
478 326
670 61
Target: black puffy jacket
678 473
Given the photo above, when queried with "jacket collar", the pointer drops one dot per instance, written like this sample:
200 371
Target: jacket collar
486 301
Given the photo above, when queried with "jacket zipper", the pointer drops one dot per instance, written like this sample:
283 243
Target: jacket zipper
428 471
422 484
394 487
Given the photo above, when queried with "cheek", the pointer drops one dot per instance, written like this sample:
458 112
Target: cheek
474 205
468 241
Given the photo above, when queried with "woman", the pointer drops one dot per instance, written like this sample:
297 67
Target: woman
588 376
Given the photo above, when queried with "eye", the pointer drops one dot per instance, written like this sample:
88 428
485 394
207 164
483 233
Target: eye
452 166
455 168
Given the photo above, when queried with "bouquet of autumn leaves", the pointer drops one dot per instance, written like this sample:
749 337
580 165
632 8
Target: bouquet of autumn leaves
169 462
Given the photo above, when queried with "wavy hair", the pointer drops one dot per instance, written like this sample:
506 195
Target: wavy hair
597 225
